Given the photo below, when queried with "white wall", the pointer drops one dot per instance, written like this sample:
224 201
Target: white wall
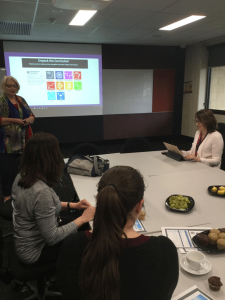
217 92
217 88
196 64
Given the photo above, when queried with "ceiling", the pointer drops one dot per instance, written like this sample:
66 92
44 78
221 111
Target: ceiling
135 22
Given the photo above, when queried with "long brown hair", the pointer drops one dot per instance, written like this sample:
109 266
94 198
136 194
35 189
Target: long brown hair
119 190
41 158
207 118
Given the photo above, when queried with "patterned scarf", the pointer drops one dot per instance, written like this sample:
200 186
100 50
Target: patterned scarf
13 136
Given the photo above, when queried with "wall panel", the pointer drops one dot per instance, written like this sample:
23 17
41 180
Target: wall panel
126 126
163 90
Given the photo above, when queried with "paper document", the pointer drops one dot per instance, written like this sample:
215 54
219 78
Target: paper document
182 236
194 293
139 227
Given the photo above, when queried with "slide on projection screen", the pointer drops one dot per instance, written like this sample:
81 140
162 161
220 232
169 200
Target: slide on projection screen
57 79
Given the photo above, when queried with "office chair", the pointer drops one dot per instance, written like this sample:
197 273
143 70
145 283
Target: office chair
6 209
25 273
86 149
136 144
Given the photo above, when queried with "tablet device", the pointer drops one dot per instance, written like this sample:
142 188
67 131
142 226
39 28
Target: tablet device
175 149
172 148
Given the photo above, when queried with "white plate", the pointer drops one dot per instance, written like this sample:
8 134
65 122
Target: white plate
185 265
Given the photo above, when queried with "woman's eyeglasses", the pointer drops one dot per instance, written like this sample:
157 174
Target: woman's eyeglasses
197 121
11 86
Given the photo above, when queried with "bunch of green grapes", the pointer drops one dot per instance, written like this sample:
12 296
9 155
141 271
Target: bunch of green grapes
179 202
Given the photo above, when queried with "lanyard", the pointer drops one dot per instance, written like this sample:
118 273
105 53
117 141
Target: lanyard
199 142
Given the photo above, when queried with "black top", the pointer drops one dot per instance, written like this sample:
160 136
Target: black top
148 267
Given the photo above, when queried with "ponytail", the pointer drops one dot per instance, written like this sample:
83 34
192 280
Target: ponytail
99 276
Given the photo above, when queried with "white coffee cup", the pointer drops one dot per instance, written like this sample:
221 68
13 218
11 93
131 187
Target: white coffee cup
195 259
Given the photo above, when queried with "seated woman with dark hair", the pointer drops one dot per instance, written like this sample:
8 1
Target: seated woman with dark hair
208 143
115 262
36 207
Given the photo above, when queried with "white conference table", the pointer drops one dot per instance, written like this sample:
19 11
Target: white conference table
164 177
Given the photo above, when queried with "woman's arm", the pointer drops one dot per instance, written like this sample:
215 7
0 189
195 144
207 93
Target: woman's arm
83 204
31 118
192 150
8 121
217 151
44 212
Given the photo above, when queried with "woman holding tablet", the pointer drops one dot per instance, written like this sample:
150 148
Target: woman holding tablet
36 207
208 143
114 261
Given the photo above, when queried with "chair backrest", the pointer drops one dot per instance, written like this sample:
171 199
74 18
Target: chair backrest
221 129
136 144
86 149
6 209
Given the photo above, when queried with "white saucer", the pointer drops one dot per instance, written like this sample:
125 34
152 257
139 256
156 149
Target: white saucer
185 265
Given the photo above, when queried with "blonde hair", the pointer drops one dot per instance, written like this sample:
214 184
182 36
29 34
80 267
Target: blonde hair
3 84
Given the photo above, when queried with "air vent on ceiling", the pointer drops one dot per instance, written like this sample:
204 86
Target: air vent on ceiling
81 4
16 28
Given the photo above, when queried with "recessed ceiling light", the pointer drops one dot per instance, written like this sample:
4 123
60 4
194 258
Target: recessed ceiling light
182 22
82 17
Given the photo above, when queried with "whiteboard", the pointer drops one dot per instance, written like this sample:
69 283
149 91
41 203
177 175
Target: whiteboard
127 91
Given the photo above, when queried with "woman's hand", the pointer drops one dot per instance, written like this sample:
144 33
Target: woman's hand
87 216
28 121
193 157
83 204
18 122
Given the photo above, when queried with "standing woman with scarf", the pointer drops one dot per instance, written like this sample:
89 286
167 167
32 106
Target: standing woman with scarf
15 119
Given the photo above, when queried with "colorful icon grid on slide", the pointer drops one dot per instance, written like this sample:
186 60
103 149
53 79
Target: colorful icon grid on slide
50 85
69 85
59 74
50 75
60 85
78 85
77 75
68 75
60 95
51 96
65 84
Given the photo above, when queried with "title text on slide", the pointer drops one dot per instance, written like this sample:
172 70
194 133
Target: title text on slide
54 63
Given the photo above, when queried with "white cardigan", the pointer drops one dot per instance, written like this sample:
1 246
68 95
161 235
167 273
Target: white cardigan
211 149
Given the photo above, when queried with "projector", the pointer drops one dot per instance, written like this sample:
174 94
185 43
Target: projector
81 4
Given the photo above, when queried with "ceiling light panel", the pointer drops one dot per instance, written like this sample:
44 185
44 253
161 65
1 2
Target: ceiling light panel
82 17
182 22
